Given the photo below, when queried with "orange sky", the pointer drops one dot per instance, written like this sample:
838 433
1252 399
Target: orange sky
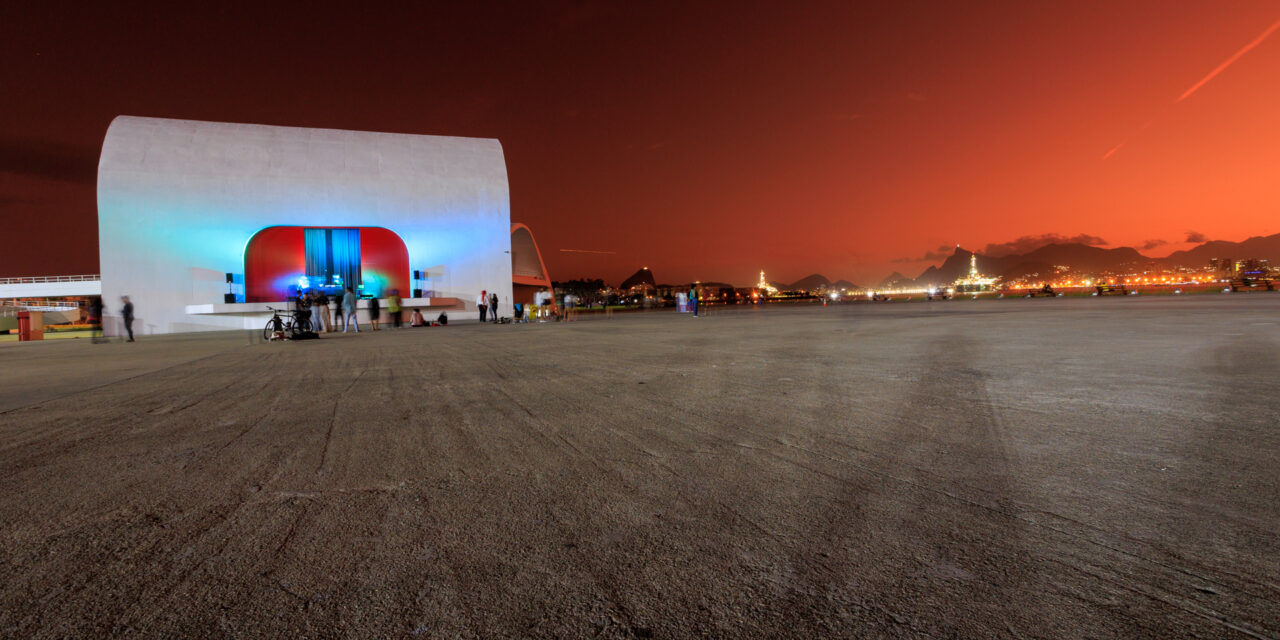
713 141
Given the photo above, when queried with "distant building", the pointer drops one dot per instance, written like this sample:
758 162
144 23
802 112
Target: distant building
640 283
974 282
764 287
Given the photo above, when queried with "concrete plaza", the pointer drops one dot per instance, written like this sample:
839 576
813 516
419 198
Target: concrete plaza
1046 468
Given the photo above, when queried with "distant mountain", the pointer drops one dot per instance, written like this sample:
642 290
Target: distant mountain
643 276
819 282
1028 269
895 279
815 282
1081 257
1084 258
1265 247
1040 261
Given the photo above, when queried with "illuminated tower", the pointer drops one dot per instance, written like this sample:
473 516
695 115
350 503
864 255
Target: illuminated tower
975 282
764 285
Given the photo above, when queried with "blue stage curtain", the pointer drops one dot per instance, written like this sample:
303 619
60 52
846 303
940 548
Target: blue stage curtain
346 256
318 257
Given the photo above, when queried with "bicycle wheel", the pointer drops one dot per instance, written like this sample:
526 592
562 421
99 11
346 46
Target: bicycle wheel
301 325
269 330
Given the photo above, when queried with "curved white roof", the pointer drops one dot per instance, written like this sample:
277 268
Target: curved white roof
178 200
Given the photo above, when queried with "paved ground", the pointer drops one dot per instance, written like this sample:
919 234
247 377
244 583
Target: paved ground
1061 468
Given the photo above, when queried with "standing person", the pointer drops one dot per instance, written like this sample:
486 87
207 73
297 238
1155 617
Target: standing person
127 312
544 305
95 318
482 303
374 312
321 306
349 302
393 307
493 307
317 316
693 299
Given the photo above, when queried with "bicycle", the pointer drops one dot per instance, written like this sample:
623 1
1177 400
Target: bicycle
290 325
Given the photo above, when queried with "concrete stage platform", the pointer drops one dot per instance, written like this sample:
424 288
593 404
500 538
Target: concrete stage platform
1045 468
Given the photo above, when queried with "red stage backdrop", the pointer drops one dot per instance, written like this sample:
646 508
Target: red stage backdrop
275 262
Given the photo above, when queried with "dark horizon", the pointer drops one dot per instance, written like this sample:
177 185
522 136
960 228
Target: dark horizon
704 142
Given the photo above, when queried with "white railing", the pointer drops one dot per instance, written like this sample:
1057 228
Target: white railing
38 304
43 279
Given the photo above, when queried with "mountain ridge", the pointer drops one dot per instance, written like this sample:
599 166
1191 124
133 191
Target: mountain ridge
1086 258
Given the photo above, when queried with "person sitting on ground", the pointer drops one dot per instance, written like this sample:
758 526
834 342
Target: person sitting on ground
416 319
443 318
517 313
302 307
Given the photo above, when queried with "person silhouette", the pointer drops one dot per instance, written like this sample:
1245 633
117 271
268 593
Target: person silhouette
127 313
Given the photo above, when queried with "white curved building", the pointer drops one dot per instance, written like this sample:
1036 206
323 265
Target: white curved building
183 205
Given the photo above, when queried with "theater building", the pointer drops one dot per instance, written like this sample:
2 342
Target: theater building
206 225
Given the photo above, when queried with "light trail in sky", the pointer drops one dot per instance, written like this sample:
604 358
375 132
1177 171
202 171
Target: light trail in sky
1256 41
1195 87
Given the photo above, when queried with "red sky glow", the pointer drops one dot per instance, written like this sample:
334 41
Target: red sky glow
706 141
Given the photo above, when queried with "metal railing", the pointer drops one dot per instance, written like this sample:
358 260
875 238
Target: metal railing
39 304
43 279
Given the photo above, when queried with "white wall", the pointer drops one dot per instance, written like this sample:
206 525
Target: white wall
179 199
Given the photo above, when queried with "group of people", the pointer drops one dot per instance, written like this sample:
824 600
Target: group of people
487 303
540 309
345 311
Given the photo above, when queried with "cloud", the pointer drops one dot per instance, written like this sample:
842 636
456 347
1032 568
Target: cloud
1196 236
942 253
1031 243
49 159
1151 244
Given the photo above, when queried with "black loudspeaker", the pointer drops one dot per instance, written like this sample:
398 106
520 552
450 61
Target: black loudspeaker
231 277
229 298
417 275
417 293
